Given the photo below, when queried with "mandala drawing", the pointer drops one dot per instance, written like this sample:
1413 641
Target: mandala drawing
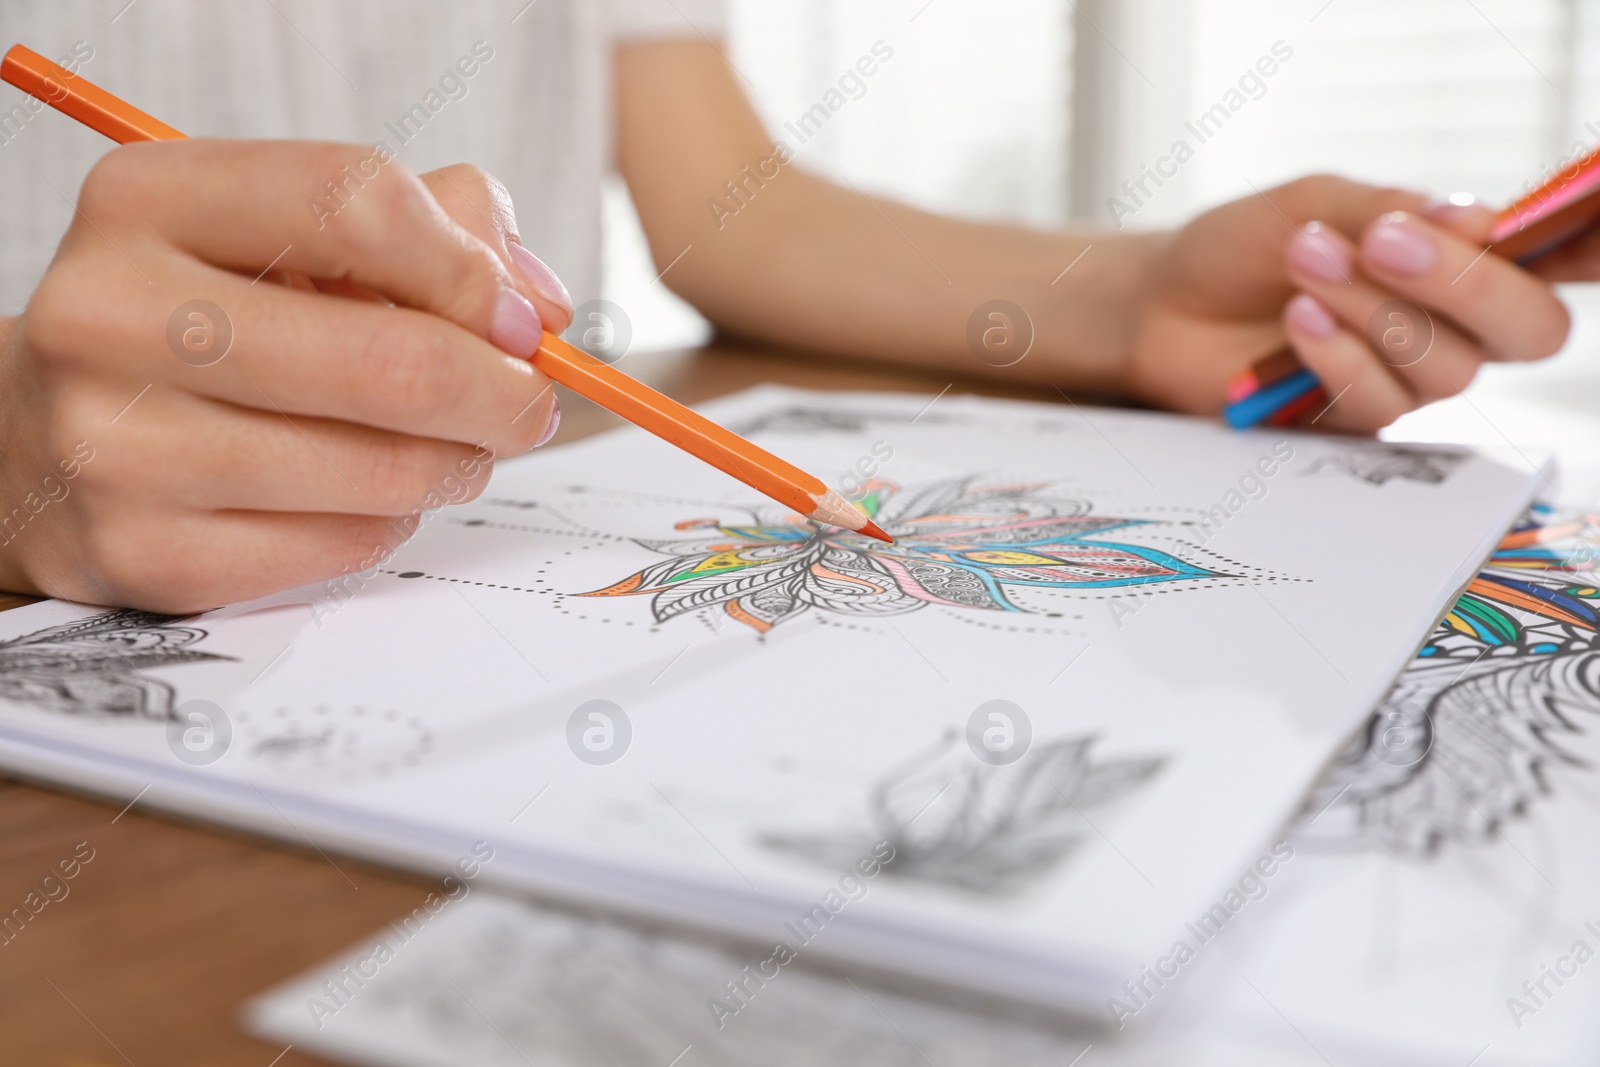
535 985
1470 735
1379 464
990 830
957 544
343 741
95 666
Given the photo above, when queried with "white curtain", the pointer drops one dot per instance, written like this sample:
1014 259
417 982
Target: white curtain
1444 95
970 115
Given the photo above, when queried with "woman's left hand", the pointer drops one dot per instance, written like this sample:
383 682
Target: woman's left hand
1320 264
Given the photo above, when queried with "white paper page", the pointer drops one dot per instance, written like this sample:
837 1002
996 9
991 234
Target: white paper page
1367 945
1445 902
493 982
1188 621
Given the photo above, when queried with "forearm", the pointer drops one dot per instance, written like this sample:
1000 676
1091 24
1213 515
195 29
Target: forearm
767 250
817 265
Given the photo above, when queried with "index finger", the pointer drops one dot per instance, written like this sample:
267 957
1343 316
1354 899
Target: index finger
1514 314
345 213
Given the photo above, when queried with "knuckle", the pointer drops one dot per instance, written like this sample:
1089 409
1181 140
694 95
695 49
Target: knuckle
340 157
93 484
398 193
125 561
397 477
1312 191
89 311
478 185
478 271
499 197
1317 182
475 276
360 542
418 366
54 315
109 182
74 453
1450 376
471 177
363 229
375 202
342 545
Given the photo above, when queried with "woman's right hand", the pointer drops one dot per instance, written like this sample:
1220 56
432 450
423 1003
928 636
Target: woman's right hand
186 420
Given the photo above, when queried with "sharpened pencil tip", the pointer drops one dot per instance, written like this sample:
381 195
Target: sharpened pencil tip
872 529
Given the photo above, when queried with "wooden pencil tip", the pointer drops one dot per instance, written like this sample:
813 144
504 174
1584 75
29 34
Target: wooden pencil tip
872 529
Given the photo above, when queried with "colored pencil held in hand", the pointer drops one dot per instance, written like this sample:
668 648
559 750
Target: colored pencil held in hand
1277 391
559 361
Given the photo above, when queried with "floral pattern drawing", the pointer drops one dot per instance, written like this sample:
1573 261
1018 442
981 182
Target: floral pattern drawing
1381 463
986 830
96 665
958 543
1474 733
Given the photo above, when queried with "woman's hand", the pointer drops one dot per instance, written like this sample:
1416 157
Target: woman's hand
236 378
1318 262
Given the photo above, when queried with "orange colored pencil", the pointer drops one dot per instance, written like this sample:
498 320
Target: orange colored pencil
669 420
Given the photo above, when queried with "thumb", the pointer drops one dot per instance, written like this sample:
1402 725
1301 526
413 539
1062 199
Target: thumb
1463 216
480 204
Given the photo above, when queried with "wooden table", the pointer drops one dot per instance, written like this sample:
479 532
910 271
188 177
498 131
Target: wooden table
173 926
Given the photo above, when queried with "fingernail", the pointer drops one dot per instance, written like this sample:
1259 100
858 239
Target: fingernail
555 422
1439 203
1452 207
1306 315
515 326
1316 251
541 277
1395 244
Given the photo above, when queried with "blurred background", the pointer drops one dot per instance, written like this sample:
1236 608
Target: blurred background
1485 96
1047 113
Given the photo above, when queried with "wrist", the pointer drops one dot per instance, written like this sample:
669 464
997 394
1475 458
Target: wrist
1098 309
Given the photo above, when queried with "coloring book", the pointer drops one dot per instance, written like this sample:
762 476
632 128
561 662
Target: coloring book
1432 904
1019 752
